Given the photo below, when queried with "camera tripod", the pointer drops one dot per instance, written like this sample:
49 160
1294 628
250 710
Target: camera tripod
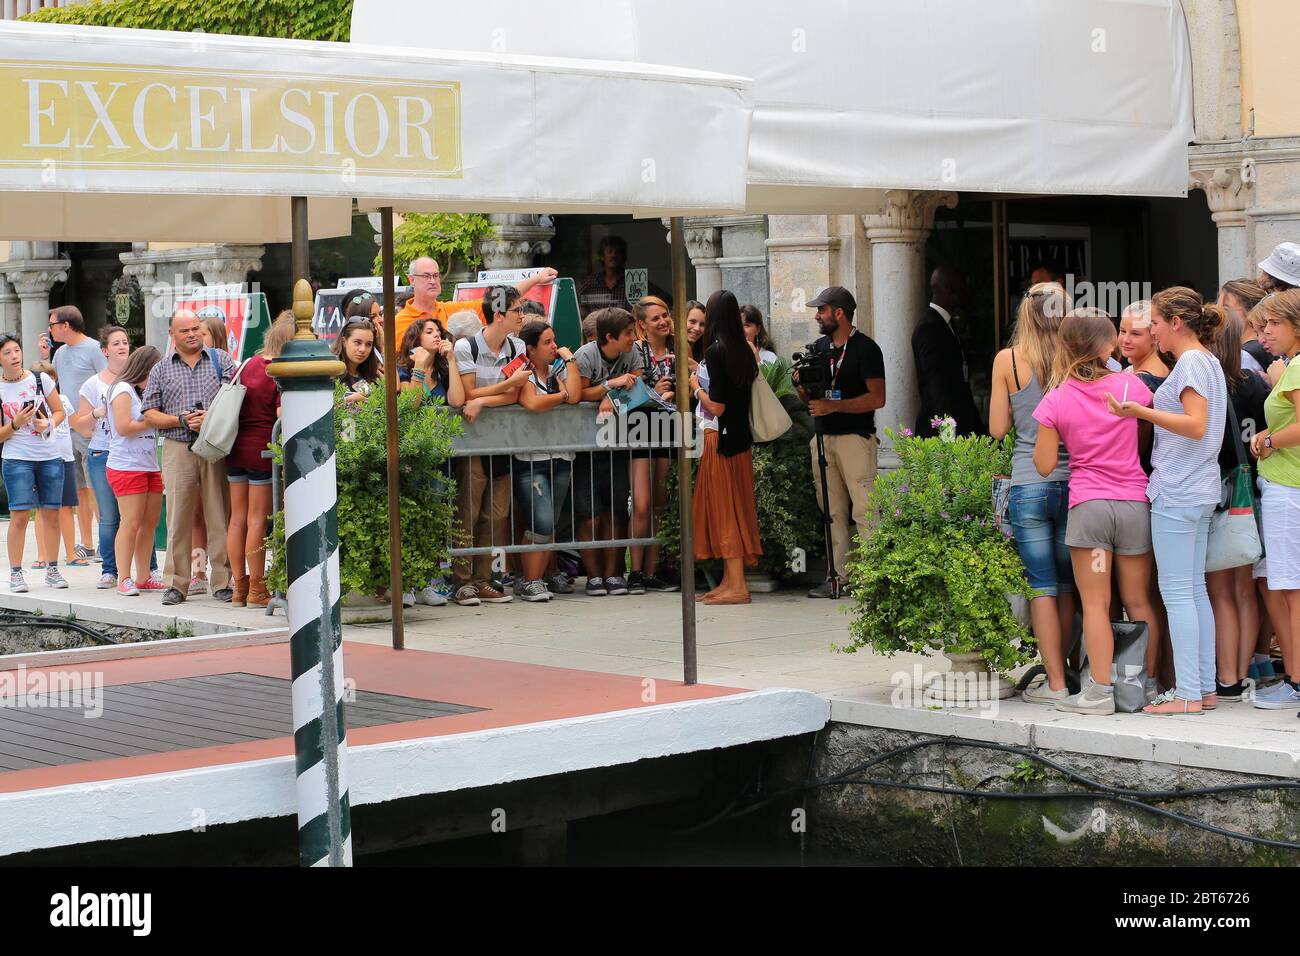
832 573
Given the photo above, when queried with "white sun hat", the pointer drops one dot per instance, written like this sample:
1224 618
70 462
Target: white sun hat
1284 263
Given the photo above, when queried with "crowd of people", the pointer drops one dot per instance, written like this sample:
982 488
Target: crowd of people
82 432
1118 471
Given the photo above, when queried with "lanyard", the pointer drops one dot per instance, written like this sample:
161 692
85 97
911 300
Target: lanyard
837 366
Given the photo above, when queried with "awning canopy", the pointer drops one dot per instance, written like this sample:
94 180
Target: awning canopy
118 135
854 96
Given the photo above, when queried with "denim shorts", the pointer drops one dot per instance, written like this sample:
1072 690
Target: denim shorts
1038 514
28 483
70 469
239 476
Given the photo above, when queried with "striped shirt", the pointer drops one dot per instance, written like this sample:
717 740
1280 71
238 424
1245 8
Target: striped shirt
1185 470
175 389
487 365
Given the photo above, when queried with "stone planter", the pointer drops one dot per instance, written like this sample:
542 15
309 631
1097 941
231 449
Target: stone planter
969 683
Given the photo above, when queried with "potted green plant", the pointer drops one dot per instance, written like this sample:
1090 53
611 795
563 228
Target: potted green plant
935 573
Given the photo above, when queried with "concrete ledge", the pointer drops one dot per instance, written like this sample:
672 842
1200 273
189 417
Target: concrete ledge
231 793
1235 737
116 652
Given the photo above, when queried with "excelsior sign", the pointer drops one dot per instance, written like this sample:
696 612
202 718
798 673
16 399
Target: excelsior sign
86 115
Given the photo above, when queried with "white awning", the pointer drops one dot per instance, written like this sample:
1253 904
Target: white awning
117 135
853 96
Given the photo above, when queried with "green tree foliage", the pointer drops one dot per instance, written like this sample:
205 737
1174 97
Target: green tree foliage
446 237
288 19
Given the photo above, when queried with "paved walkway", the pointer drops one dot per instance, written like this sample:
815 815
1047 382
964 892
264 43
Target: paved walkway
780 640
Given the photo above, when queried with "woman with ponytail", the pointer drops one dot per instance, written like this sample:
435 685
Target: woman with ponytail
1109 523
1038 506
1188 414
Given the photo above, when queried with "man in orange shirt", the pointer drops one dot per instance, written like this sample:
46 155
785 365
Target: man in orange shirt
426 286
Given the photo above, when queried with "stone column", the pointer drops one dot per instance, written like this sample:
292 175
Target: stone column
32 280
743 263
9 306
704 246
898 295
802 255
519 237
1228 194
227 264
163 274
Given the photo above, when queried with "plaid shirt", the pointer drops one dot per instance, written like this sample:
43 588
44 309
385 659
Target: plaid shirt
174 388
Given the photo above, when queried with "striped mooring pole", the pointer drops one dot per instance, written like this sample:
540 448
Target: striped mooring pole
306 370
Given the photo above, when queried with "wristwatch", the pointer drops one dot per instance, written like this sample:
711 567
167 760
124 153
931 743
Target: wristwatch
570 360
1268 441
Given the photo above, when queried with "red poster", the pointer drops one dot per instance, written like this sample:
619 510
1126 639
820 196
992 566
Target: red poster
232 309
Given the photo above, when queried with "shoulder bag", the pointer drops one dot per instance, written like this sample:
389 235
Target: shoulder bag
221 423
1234 528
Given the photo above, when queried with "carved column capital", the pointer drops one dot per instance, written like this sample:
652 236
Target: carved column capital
1227 191
34 278
908 215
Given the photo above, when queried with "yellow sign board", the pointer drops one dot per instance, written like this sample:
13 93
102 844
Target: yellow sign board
204 120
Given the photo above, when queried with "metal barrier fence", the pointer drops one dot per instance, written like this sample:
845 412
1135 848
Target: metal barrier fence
599 483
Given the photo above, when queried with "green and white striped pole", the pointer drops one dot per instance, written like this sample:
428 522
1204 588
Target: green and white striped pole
306 370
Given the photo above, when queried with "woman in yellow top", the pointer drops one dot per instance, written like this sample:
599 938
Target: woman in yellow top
1278 450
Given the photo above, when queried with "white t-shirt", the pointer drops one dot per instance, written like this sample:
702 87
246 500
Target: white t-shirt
95 391
139 452
28 444
63 434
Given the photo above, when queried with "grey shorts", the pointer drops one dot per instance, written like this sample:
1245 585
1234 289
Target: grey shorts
1123 527
80 450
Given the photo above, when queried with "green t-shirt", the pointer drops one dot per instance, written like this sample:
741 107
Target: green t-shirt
1283 466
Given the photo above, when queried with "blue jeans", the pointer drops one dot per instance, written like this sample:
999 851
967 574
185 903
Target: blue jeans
540 490
1180 536
32 484
1038 514
109 517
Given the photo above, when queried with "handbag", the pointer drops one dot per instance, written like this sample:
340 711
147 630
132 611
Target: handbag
768 419
221 423
1234 527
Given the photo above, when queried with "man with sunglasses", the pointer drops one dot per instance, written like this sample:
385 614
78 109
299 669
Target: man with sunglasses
426 285
76 358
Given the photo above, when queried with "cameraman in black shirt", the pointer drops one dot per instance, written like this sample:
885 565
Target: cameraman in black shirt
844 412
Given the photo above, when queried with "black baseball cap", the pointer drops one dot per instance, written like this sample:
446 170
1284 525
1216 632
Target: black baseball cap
837 297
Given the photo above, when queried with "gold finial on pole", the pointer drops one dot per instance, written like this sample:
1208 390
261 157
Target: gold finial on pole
304 308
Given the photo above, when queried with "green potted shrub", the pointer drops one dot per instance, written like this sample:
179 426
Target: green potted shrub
935 574
428 497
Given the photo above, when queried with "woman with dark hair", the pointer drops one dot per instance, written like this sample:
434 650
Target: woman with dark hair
757 335
1240 296
541 480
726 523
359 304
355 347
422 363
697 324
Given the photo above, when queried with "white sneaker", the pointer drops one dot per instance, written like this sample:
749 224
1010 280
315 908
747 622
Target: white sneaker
107 581
1040 691
1281 696
430 596
16 583
408 599
1093 699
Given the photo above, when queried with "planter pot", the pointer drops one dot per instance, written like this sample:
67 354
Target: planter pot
969 683
760 582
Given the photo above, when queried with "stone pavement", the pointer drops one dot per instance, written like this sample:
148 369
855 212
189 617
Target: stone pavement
780 640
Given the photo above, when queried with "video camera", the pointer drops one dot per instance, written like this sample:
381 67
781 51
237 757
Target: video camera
812 370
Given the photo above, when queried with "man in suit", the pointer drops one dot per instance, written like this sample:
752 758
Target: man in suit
942 369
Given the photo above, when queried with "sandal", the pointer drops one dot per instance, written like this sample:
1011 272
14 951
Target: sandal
78 562
1170 704
40 565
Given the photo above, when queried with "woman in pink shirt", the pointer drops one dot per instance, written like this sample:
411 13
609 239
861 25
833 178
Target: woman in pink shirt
1109 521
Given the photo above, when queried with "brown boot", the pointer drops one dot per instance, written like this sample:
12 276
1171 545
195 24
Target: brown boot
240 587
258 595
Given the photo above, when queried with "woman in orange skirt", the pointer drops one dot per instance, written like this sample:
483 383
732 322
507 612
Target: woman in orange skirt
726 524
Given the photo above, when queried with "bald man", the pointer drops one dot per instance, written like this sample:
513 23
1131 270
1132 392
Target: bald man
942 366
176 398
426 286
